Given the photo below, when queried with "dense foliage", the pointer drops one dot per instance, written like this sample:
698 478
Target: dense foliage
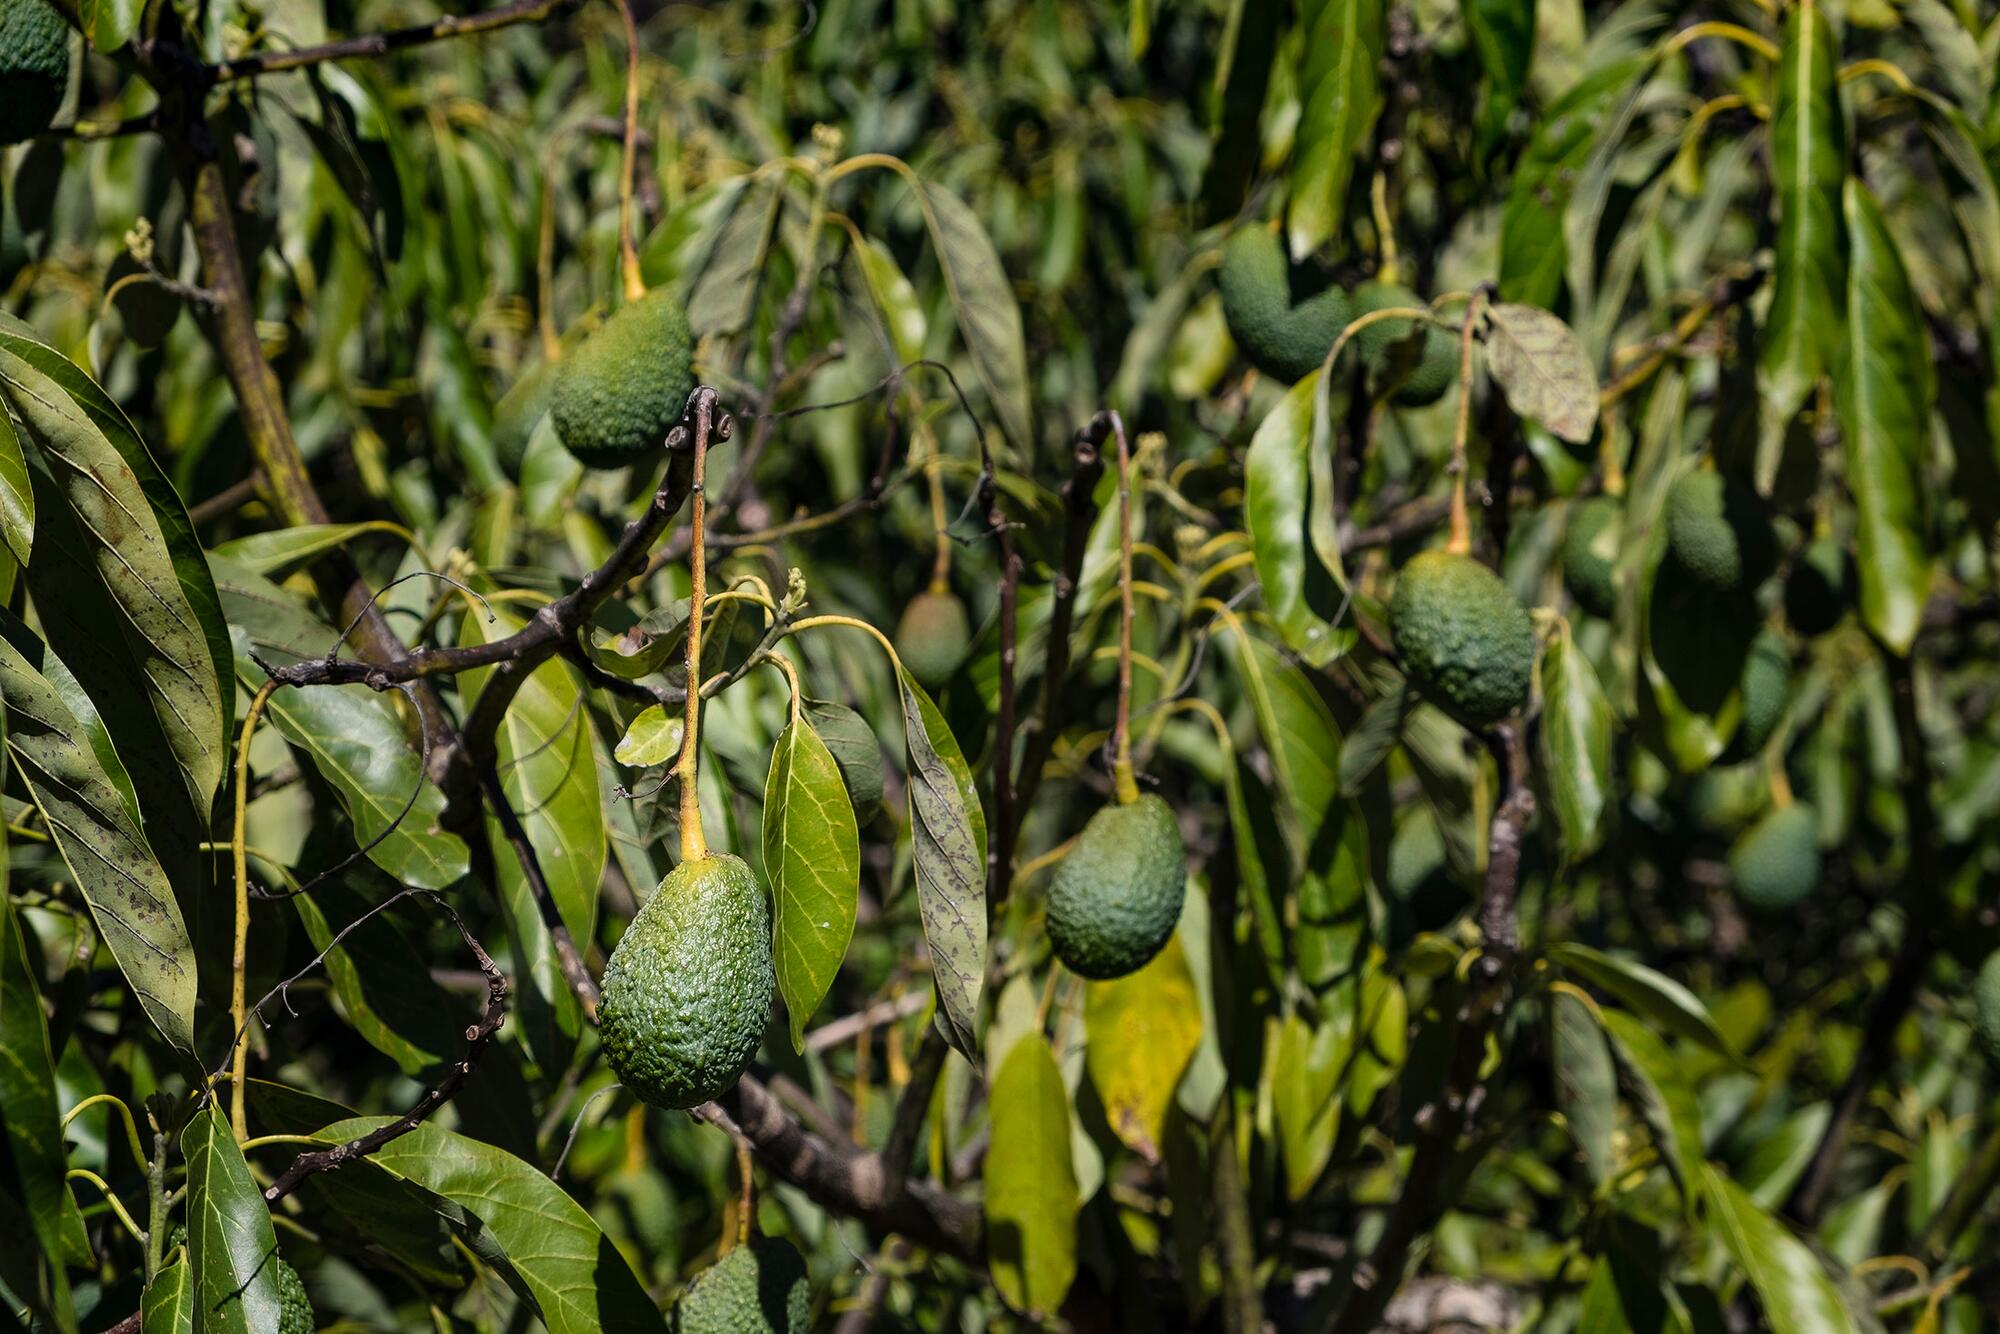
1318 665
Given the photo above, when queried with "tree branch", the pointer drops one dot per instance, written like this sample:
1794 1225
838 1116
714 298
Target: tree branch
381 43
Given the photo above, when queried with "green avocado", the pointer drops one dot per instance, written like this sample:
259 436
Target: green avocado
688 989
1775 863
1819 587
1986 1004
758 1288
1767 680
34 68
933 636
1437 363
1284 334
295 1309
1116 897
1590 554
619 392
519 411
1463 637
1720 529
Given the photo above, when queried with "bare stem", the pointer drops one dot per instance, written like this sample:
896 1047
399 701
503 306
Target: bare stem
239 960
1121 730
628 249
693 845
1460 541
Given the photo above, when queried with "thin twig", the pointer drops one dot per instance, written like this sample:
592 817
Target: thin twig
381 43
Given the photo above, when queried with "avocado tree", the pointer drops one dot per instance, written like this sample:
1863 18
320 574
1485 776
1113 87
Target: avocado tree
888 664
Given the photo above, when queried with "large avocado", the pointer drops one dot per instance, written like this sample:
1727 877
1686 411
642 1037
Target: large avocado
1767 683
1462 636
295 1310
1287 339
1720 529
1776 863
1437 362
1819 587
34 68
617 394
688 989
1590 554
1116 897
759 1288
933 636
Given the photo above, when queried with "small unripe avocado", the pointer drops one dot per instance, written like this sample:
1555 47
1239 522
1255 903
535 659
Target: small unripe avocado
1767 680
1818 588
1776 863
34 68
1116 898
1986 1005
1437 364
1590 554
1463 637
1286 339
1720 529
933 636
758 1288
295 1309
619 392
688 989
519 411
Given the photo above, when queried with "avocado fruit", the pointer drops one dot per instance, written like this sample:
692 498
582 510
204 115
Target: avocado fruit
1462 635
34 68
1285 334
1436 363
1767 680
758 1288
1720 529
688 989
619 392
295 1309
933 636
519 411
1700 636
1819 588
1775 864
1116 898
1590 554
1986 1005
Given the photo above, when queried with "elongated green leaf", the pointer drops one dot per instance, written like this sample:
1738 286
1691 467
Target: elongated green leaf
231 1245
1341 90
579 1281
1666 1002
1537 361
948 858
385 989
1306 1064
109 23
1503 37
1586 1083
17 495
1797 1295
812 854
1031 1197
1303 596
1300 733
31 1167
1143 1029
724 293
288 548
1884 389
855 748
1576 733
1808 164
107 854
1660 1092
1533 252
895 300
168 1304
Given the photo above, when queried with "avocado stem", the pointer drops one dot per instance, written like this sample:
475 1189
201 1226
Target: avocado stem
545 253
628 250
1121 732
940 521
1388 267
1460 541
240 957
694 846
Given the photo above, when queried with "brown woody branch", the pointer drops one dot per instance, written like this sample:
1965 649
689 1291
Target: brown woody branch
382 43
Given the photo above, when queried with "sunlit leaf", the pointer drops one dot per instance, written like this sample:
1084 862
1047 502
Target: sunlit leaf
1537 361
232 1248
1031 1197
812 855
1143 1029
1796 1294
1586 1085
948 857
1339 83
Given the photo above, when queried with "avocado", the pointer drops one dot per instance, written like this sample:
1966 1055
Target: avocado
295 1309
758 1288
1819 587
1986 1005
619 392
34 68
933 636
1436 363
1590 554
1775 863
1767 679
1700 636
519 411
688 989
1720 529
1285 334
1116 898
1463 637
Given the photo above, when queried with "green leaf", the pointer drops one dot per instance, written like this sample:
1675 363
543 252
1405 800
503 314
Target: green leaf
1657 996
1797 1295
1340 88
384 985
1503 37
653 737
17 495
1808 163
1576 734
579 1281
948 858
1306 1062
1031 1199
286 549
1586 1083
1304 596
168 1304
812 854
1883 391
902 314
1373 738
1143 1030
107 854
109 23
855 748
231 1245
724 292
1660 1092
1300 733
33 1160
1538 363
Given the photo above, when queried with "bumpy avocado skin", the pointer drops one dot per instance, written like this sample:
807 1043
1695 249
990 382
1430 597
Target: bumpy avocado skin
1818 588
688 989
518 412
1436 367
295 1310
933 636
34 68
1462 635
1286 340
1986 1004
1720 529
1116 897
1776 863
618 393
1590 555
760 1288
